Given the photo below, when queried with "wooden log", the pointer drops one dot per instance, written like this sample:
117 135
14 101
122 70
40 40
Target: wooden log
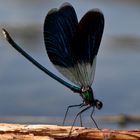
54 132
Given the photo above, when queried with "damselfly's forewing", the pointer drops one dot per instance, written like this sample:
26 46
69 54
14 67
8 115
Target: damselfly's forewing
71 46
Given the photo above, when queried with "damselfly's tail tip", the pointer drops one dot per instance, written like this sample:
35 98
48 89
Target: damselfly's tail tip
5 33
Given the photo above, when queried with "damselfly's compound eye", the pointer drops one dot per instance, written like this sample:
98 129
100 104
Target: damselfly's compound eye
98 104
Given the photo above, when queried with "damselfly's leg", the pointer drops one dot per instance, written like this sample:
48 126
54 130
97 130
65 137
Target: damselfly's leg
71 106
77 116
91 116
80 116
80 120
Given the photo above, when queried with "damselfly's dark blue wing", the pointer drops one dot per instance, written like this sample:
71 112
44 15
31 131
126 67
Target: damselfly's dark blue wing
86 44
73 47
59 28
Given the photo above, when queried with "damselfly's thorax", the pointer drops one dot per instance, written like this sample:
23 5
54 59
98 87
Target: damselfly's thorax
88 97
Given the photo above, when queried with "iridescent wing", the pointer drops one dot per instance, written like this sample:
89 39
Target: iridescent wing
86 44
73 47
59 28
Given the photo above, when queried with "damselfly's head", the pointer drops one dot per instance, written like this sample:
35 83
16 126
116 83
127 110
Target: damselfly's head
88 97
98 104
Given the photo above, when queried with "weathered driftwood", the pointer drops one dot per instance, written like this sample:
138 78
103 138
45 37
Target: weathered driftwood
51 132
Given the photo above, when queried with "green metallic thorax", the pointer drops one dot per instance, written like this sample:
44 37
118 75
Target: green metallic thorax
87 95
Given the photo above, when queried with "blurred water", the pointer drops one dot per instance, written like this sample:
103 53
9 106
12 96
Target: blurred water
25 90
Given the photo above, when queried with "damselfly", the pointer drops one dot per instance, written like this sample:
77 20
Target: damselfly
72 47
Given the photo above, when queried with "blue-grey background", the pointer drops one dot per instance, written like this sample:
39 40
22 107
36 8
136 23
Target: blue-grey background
26 91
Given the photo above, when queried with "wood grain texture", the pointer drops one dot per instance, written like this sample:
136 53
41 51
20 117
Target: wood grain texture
52 132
